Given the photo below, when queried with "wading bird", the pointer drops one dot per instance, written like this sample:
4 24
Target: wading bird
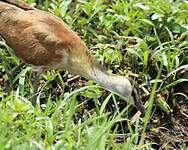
45 42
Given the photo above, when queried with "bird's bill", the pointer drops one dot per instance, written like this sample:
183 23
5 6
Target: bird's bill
140 107
138 102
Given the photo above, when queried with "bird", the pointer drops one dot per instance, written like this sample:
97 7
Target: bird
44 41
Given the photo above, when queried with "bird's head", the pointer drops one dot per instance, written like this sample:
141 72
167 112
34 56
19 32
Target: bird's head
123 87
118 84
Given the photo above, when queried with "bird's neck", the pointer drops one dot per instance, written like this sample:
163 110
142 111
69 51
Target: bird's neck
103 78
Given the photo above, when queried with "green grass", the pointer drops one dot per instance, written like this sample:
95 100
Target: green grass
145 40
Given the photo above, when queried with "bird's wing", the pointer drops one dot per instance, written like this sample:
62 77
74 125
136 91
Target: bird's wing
21 30
36 36
20 4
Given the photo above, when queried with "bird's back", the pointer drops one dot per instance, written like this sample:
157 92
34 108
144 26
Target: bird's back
37 37
19 4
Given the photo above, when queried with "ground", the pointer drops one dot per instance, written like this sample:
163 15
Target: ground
147 41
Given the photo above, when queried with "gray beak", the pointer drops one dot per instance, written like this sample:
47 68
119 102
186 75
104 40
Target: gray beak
138 102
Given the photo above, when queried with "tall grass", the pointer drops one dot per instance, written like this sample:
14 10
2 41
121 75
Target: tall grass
145 40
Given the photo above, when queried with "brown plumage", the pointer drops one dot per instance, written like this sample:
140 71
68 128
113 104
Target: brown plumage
46 42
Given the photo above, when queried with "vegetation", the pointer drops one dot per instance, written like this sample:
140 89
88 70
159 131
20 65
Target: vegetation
144 40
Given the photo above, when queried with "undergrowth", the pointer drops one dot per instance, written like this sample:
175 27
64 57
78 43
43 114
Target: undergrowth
144 40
